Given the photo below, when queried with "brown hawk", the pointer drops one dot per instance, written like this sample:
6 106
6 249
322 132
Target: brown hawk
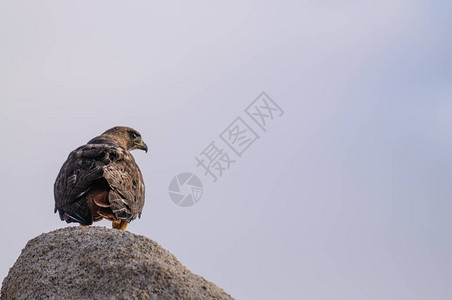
101 180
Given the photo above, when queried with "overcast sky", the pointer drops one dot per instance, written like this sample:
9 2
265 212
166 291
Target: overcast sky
347 195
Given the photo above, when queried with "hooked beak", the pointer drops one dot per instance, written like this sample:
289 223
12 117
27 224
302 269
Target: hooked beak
142 145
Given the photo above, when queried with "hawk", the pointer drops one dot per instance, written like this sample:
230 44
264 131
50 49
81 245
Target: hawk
100 180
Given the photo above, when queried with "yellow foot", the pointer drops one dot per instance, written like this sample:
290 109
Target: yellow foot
119 224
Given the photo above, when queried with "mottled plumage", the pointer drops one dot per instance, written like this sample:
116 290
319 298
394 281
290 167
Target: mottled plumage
101 180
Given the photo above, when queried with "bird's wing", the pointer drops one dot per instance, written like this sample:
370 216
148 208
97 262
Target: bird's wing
127 188
84 166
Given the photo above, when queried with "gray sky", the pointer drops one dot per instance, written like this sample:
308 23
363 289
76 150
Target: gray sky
346 196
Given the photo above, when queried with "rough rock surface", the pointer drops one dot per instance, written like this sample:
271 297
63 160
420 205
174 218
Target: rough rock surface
100 263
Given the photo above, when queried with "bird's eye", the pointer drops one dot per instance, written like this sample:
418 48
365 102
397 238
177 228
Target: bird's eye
134 135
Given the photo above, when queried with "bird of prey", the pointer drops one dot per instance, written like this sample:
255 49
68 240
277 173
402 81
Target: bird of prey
101 180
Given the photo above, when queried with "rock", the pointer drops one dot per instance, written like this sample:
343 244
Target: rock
100 263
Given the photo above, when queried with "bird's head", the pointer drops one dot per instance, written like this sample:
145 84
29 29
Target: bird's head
126 137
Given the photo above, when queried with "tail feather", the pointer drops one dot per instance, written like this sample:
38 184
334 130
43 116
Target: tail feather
74 217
